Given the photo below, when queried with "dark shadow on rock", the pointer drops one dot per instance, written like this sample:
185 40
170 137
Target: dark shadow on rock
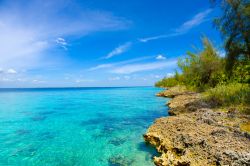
145 147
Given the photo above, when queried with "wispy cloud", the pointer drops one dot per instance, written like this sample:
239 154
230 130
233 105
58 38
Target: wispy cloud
102 66
84 80
114 78
119 50
62 43
157 37
110 65
133 68
184 28
195 21
28 33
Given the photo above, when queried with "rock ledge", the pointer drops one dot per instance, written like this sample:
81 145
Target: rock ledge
198 135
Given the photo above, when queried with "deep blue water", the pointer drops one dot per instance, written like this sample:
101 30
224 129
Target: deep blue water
77 126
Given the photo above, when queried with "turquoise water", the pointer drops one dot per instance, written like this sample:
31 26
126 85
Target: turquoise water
74 127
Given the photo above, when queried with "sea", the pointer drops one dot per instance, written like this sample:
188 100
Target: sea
78 126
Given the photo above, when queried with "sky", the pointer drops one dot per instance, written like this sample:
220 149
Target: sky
96 43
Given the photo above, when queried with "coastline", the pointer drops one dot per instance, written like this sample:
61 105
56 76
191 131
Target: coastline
195 133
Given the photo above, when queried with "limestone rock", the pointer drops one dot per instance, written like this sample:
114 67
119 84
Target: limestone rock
198 135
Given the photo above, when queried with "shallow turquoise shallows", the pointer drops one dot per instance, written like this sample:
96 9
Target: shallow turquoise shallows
77 126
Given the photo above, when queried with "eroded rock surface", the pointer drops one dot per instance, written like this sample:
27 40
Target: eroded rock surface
198 135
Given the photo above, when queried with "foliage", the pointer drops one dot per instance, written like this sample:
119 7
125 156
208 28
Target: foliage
225 81
199 70
241 72
234 25
170 81
229 94
203 69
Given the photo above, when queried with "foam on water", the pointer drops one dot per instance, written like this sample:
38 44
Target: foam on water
86 126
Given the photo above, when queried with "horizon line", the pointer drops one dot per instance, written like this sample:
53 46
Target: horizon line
70 87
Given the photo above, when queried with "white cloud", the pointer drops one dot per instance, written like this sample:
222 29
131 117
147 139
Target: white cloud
21 79
11 71
114 78
157 76
195 21
102 66
170 75
119 50
5 79
144 40
160 57
127 77
110 65
8 71
184 28
28 33
133 68
84 80
62 42
36 81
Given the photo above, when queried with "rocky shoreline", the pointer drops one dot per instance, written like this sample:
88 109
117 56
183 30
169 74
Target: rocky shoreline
198 134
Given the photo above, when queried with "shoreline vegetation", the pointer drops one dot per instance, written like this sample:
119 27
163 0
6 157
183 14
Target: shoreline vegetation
209 122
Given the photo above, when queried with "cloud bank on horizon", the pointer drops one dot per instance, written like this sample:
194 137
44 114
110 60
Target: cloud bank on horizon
70 43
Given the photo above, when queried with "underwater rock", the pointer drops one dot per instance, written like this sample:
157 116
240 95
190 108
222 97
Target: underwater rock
108 129
22 132
38 118
46 112
90 122
103 120
120 160
117 141
46 135
25 151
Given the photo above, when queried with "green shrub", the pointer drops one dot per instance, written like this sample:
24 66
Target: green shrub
175 80
229 94
167 82
241 72
204 69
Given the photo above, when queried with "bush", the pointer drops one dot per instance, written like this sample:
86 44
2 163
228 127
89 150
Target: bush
204 69
167 82
199 71
229 94
175 80
241 72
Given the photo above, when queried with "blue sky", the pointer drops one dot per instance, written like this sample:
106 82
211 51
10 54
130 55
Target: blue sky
98 43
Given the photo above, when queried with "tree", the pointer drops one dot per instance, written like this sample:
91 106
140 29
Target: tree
202 69
234 25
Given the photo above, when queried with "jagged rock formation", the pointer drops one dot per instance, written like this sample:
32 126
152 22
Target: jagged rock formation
198 135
